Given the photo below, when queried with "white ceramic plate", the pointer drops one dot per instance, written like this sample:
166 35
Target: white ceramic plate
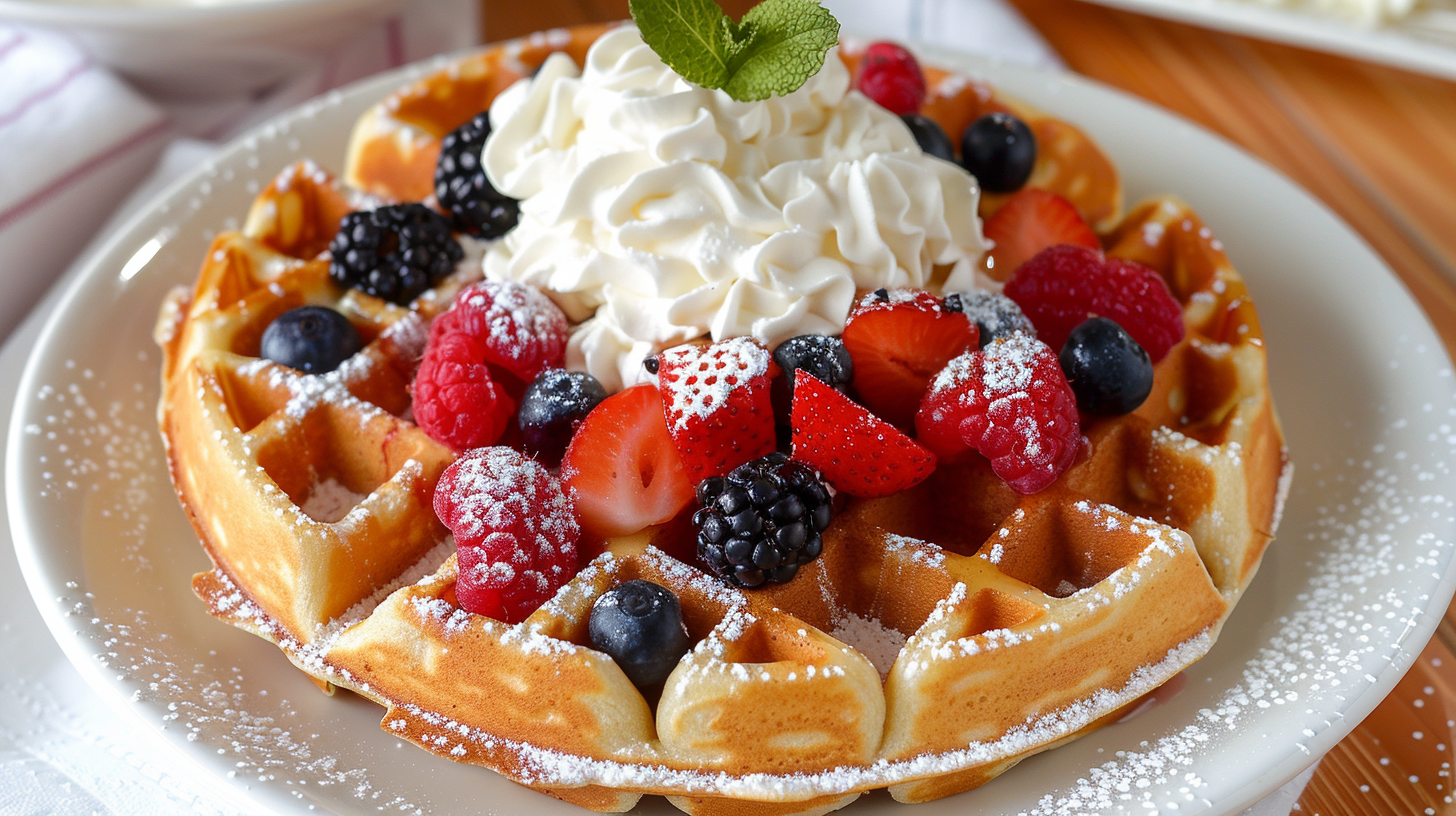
1424 42
189 49
1347 595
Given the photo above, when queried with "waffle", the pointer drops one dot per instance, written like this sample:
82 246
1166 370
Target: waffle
946 633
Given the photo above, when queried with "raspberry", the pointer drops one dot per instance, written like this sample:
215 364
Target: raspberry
515 326
456 401
515 532
1064 285
891 76
1011 402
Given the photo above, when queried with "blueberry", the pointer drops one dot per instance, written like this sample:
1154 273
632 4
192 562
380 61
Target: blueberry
821 355
930 136
553 405
999 150
312 339
640 625
995 315
1109 372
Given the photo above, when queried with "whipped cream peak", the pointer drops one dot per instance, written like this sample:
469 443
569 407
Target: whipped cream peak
655 211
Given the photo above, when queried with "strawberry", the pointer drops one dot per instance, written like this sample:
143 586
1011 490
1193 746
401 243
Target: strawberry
718 405
859 453
1030 221
622 468
898 340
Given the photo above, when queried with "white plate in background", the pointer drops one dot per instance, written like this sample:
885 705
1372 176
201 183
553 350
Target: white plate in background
1346 597
1424 42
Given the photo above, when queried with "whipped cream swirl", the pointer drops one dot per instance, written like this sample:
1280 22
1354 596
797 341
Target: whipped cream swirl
654 211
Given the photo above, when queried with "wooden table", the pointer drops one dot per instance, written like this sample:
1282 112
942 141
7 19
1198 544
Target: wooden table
1378 146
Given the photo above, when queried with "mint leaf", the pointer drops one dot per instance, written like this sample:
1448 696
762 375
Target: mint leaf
777 46
691 37
785 45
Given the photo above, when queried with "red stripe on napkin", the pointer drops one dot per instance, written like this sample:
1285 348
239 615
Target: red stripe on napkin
95 162
46 93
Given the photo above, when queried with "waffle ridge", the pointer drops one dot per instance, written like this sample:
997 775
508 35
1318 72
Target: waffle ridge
312 497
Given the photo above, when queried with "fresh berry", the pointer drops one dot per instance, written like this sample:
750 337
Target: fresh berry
1011 402
553 406
514 325
515 534
1064 285
995 315
475 206
762 521
456 400
859 453
394 252
1000 151
930 136
640 625
819 354
1109 372
1029 222
899 339
891 76
718 404
622 468
312 339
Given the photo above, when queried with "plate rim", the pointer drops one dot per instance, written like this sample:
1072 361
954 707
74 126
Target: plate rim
1387 44
44 585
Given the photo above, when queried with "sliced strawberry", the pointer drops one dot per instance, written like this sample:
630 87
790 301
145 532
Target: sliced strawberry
899 339
622 468
859 453
1030 221
718 404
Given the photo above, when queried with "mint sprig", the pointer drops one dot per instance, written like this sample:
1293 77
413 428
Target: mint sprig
774 49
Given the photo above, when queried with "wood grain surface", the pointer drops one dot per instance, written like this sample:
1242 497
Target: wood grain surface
1375 144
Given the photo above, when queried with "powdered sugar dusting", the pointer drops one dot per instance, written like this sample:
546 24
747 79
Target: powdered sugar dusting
871 638
329 500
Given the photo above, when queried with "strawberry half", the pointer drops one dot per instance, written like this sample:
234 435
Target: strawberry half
621 467
898 340
717 403
1030 221
859 453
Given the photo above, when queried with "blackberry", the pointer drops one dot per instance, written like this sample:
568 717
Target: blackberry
553 405
762 521
640 625
821 355
311 339
395 252
461 187
1108 371
996 316
1000 151
930 136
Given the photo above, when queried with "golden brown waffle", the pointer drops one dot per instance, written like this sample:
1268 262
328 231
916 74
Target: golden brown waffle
946 633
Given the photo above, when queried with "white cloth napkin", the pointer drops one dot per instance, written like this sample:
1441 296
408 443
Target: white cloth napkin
74 142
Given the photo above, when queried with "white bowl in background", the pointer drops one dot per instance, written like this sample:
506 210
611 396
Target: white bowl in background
185 49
